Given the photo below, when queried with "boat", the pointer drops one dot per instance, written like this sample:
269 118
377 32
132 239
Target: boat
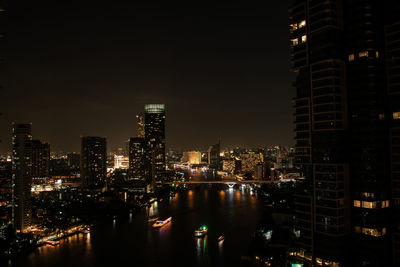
201 231
160 223
221 238
152 219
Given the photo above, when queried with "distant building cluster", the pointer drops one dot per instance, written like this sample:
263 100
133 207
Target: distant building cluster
271 163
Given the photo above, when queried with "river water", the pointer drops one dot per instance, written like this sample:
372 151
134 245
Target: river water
131 241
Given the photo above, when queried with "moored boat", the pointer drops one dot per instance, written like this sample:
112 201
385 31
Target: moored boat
201 231
160 223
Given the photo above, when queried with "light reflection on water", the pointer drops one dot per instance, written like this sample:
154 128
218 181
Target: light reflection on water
202 249
229 212
190 198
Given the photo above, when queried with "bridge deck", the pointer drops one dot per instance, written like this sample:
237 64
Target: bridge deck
224 182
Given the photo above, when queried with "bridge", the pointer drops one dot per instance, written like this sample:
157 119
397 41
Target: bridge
223 181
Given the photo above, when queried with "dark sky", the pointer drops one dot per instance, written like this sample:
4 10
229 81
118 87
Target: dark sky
221 68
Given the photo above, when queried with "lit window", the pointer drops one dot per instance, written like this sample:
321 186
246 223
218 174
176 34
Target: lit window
396 115
377 54
385 204
293 27
304 38
374 232
357 229
381 116
368 204
295 41
357 203
351 57
302 24
363 54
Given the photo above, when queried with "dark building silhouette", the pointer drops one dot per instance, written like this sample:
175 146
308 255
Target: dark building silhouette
73 160
93 161
138 159
40 159
154 130
345 54
59 167
5 170
392 42
21 176
214 158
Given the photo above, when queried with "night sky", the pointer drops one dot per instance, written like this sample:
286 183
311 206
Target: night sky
221 68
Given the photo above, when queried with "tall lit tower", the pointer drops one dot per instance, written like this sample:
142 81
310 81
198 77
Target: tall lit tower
93 161
140 125
154 130
138 160
21 176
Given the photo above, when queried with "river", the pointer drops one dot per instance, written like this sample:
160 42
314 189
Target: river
131 241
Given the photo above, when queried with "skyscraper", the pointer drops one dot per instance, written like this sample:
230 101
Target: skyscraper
392 39
93 161
140 126
341 129
214 158
40 158
138 160
21 176
154 130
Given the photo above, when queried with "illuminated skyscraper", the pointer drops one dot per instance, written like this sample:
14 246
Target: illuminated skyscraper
138 160
21 176
140 126
93 161
40 159
154 130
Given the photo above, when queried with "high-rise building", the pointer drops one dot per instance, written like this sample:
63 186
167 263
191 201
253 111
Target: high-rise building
138 159
154 118
73 161
21 176
214 158
40 159
192 157
93 161
262 171
392 39
341 128
140 126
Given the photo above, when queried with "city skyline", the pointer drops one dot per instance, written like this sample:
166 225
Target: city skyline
97 87
233 134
